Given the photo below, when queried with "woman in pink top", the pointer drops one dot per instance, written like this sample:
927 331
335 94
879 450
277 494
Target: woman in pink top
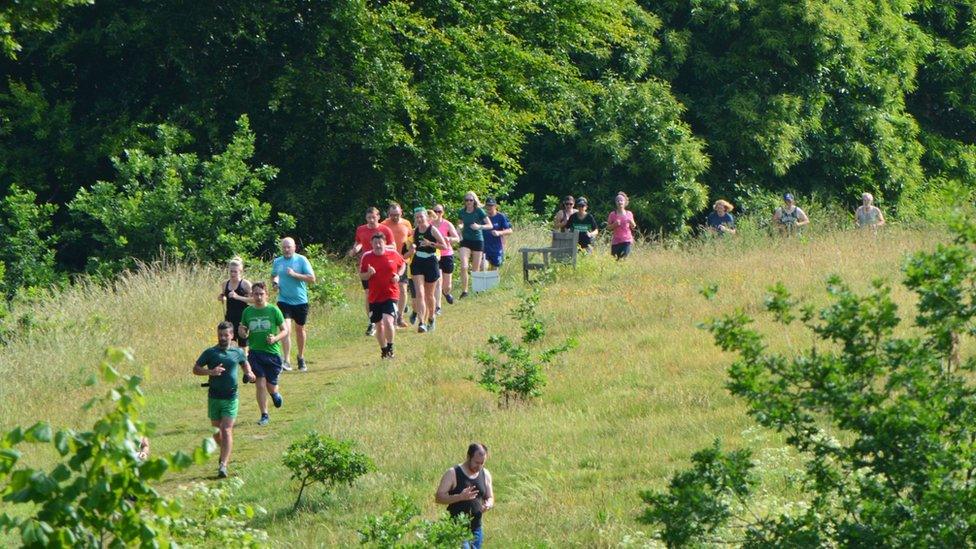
450 234
621 222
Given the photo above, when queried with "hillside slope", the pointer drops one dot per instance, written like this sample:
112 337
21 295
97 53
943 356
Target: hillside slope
643 390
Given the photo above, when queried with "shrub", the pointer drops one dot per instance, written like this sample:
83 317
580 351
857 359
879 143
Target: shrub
173 205
328 288
512 370
883 423
323 459
97 493
389 529
209 519
26 245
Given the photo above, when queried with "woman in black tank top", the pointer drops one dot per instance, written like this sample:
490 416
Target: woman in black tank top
425 269
235 293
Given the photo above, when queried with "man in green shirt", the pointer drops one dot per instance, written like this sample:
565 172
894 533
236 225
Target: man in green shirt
264 327
220 363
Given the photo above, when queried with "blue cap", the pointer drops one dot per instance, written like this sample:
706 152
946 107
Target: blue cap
788 197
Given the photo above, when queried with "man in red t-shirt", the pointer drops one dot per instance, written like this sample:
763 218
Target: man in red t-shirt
382 269
364 234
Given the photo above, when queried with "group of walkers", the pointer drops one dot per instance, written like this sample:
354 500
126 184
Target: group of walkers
386 251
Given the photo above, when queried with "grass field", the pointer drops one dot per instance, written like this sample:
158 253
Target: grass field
643 390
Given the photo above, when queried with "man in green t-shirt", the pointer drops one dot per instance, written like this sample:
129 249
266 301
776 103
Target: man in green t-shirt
264 327
220 363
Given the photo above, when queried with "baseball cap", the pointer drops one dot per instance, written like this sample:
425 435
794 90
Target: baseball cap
581 202
419 209
788 196
491 201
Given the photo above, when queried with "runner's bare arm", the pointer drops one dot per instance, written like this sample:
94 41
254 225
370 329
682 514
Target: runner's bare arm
490 496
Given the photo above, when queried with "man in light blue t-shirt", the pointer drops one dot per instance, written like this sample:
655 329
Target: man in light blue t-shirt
291 273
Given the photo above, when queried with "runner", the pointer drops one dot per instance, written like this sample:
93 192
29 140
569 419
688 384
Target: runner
473 220
364 234
720 221
264 327
450 234
867 214
584 224
382 268
221 363
621 221
291 273
466 489
402 230
562 216
788 218
424 268
234 293
495 237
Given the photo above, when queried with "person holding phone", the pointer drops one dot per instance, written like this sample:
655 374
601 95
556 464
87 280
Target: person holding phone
466 489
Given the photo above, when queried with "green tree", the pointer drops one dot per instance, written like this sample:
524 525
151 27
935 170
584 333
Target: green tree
26 242
173 205
17 18
881 417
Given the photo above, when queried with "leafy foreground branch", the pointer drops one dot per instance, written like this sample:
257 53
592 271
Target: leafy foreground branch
323 459
885 425
99 493
513 370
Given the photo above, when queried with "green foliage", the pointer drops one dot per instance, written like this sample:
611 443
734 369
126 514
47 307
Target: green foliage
513 370
389 529
323 459
329 274
522 212
173 205
18 18
96 493
881 416
210 519
26 242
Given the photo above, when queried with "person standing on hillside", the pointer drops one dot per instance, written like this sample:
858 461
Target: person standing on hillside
264 327
363 243
584 224
401 229
221 363
446 261
424 268
291 273
562 216
473 220
621 222
867 214
495 237
720 220
382 269
788 218
466 489
235 293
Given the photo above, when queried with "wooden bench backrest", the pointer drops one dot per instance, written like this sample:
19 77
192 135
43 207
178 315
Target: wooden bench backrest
565 240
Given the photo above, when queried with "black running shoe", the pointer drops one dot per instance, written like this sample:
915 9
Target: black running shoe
370 329
464 294
450 299
413 317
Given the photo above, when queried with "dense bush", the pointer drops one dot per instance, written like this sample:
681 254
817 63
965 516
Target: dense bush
882 418
167 204
26 242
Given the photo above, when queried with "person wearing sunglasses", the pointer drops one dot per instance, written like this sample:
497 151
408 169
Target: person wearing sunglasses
584 224
473 219
561 222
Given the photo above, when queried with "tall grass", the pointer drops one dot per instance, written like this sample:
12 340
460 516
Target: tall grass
640 394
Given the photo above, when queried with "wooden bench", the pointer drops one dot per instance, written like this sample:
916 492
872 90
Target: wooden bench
563 249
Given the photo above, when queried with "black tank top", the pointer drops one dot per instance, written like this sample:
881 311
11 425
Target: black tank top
235 307
471 507
418 237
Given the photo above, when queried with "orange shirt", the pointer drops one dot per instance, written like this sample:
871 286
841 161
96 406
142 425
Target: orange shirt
401 233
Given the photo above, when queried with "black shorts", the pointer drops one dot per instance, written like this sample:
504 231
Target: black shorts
447 264
426 266
620 250
411 291
241 341
298 313
378 309
473 245
265 365
365 284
